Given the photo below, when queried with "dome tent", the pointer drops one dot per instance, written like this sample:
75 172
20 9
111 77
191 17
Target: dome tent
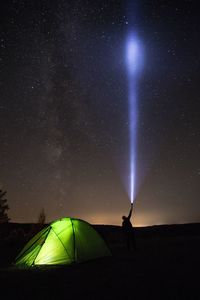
63 242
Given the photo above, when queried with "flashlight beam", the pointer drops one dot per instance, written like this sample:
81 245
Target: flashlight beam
133 62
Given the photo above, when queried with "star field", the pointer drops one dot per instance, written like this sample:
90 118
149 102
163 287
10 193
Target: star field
64 112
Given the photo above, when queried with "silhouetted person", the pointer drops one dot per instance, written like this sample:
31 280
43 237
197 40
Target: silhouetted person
128 230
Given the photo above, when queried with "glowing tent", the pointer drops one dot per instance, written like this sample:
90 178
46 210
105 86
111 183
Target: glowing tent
63 242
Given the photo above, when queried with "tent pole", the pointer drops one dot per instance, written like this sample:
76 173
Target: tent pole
33 263
74 240
19 256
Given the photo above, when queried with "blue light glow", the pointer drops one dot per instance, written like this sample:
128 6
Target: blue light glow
133 54
134 63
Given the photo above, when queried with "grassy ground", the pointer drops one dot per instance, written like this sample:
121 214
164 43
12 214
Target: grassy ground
165 266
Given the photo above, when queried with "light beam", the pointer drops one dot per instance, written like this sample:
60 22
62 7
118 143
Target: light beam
133 64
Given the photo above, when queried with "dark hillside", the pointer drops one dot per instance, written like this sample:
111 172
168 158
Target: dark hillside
165 266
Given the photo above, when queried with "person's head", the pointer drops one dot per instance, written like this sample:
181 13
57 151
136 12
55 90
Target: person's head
124 217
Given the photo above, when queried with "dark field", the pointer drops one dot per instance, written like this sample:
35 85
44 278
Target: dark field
165 266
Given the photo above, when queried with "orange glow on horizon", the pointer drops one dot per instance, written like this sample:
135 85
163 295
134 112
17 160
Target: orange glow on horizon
139 220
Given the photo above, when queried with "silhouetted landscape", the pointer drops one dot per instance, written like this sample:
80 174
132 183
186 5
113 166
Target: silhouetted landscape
164 266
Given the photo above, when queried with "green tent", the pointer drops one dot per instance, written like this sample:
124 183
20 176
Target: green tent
63 242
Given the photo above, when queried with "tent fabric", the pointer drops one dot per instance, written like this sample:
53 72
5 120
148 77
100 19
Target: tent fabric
63 242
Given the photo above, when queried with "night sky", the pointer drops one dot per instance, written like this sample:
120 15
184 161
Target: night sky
64 110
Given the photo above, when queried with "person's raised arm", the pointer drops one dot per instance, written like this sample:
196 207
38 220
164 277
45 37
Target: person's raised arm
130 213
